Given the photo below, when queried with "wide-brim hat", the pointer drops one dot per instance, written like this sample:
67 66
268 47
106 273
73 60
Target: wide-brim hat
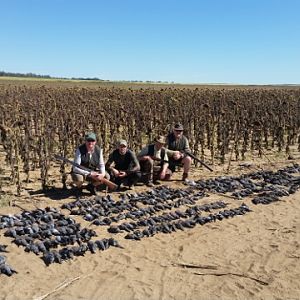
160 139
178 126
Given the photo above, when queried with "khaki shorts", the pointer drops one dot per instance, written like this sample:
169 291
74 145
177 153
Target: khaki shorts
81 178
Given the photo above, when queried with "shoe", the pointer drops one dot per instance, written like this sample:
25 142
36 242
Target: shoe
92 189
150 184
120 188
167 177
156 182
185 176
78 192
131 187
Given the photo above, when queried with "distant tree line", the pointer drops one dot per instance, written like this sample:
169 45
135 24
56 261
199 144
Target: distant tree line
10 74
32 75
2 73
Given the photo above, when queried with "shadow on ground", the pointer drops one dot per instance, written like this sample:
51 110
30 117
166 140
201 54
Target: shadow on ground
55 193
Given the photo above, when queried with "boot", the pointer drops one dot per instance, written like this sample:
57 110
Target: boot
185 176
167 177
150 183
78 192
92 189
131 187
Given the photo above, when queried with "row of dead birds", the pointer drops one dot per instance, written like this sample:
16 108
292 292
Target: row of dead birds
163 198
42 230
268 185
147 216
170 227
154 220
5 268
150 210
105 210
101 209
66 253
281 183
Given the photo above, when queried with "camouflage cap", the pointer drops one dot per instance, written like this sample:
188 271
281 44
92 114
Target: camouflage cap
90 136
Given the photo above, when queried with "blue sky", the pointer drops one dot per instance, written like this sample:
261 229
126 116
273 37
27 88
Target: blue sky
204 41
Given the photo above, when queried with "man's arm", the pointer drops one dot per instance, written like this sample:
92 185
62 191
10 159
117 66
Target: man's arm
110 165
77 160
166 157
186 146
134 165
101 163
171 153
143 155
182 148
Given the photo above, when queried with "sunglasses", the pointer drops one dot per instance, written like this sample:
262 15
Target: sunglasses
178 130
122 146
90 141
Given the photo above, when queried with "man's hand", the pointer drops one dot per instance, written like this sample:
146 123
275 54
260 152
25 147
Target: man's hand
162 175
177 155
122 174
96 176
115 172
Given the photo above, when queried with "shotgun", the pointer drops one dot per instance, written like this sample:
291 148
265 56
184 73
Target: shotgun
154 158
197 159
112 186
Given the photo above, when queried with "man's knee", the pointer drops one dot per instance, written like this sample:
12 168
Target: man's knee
135 177
147 162
138 175
187 160
77 179
107 176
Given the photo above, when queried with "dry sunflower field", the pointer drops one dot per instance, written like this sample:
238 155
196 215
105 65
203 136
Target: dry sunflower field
221 124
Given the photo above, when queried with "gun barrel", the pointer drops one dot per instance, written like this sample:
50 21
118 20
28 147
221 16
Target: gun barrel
199 160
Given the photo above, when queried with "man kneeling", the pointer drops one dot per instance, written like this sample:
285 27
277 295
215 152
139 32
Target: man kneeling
89 155
154 162
123 166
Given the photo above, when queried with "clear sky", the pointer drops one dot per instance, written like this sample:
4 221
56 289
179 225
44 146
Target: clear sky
188 41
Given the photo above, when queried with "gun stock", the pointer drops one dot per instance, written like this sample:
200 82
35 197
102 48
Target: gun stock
112 186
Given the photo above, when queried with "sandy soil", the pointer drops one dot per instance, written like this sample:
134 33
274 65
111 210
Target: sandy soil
254 256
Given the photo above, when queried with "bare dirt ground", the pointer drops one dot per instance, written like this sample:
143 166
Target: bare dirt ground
254 256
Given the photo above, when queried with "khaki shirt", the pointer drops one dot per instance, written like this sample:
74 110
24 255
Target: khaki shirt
157 154
182 144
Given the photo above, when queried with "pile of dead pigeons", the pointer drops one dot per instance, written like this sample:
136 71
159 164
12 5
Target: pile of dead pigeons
56 237
155 211
50 233
106 210
264 186
5 268
172 222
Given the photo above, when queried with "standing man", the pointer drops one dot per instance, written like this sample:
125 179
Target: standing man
154 162
177 144
89 155
123 165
